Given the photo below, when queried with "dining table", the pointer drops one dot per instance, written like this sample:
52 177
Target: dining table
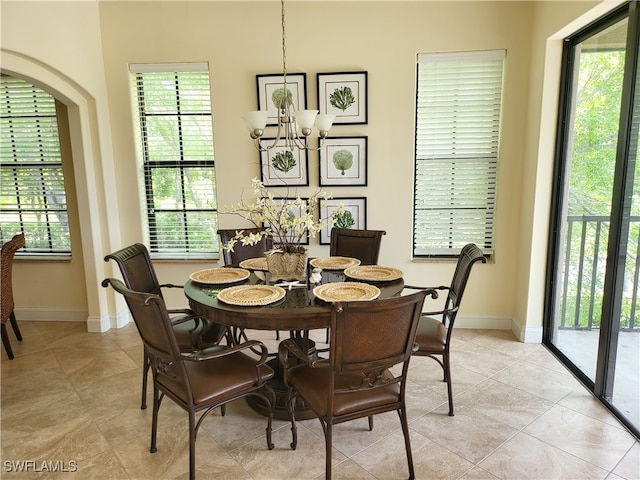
245 299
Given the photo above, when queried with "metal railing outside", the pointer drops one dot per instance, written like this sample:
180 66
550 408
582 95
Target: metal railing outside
580 302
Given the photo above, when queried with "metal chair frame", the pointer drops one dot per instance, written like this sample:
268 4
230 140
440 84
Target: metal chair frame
436 327
198 381
356 381
139 275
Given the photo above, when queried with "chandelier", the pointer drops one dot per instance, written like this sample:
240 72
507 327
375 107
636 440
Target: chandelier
294 127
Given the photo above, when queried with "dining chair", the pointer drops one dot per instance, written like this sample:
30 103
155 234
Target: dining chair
192 332
197 381
357 380
361 244
6 298
435 328
243 252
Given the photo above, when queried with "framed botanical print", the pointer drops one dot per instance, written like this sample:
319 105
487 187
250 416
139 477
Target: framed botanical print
343 161
343 94
354 216
281 167
271 93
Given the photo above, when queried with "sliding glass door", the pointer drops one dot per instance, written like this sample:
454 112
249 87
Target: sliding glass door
592 310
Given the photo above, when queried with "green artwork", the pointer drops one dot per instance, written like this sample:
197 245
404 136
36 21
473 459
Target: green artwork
343 160
278 98
283 161
345 220
342 98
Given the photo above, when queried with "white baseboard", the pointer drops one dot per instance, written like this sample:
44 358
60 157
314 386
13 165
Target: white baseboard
524 334
528 334
94 324
51 314
98 324
122 318
108 322
483 322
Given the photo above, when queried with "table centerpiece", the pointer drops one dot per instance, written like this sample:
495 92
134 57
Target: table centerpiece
287 220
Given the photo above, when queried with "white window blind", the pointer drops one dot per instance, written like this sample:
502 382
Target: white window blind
458 110
176 145
32 193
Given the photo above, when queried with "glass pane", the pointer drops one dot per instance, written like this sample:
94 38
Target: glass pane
626 374
163 139
32 191
177 146
171 227
587 195
188 188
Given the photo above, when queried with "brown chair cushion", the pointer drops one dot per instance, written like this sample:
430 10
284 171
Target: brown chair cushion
219 378
431 336
313 385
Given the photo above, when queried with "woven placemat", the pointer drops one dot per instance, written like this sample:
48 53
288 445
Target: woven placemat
334 263
251 295
373 273
219 276
259 263
346 292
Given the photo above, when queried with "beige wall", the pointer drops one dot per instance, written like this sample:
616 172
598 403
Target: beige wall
57 46
88 48
550 25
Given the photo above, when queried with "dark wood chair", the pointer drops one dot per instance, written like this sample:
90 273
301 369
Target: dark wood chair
197 381
356 380
435 328
243 252
6 285
192 332
361 244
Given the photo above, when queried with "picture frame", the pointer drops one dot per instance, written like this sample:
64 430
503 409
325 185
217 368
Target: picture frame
343 161
280 167
343 94
297 213
355 206
268 83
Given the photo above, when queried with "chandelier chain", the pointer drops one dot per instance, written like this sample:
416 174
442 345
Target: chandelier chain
287 135
284 48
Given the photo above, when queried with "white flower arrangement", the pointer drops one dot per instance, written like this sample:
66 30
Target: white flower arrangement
285 220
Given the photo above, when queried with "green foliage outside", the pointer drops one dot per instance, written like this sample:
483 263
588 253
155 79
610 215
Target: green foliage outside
32 187
179 164
589 194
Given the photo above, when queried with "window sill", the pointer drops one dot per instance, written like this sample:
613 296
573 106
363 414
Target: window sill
35 257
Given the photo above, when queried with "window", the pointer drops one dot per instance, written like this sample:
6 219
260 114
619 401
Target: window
458 109
175 138
32 195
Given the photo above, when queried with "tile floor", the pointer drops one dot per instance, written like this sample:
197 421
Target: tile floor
70 400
